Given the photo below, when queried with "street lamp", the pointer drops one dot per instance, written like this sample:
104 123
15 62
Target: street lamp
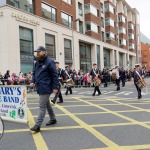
78 19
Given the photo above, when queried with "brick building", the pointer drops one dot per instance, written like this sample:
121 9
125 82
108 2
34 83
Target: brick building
75 32
145 55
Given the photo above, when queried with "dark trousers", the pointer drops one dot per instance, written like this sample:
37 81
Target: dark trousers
58 95
118 84
138 90
96 88
105 80
68 89
123 81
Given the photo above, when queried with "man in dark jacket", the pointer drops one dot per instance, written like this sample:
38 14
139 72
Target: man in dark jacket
45 78
95 73
123 76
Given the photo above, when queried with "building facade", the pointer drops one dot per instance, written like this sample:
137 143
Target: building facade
145 55
75 32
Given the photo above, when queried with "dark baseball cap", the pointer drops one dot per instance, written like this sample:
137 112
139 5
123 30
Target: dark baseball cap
40 48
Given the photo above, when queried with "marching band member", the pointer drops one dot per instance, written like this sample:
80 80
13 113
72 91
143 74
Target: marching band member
116 77
138 75
60 78
123 76
67 74
105 74
96 78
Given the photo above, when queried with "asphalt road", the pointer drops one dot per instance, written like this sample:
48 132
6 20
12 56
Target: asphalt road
115 120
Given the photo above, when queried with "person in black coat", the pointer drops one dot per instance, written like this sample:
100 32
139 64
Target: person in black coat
95 73
45 78
60 78
68 74
122 76
137 74
105 74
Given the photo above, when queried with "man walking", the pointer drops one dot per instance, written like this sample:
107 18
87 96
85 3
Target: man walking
45 78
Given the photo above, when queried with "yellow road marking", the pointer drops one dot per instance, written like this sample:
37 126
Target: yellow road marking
38 139
90 129
76 127
129 105
115 113
134 147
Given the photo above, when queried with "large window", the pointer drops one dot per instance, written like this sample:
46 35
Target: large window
26 5
107 58
131 46
130 26
131 36
48 12
85 57
68 51
110 35
121 19
91 27
91 9
80 11
122 30
68 1
66 20
26 41
102 22
109 8
80 26
102 8
26 49
109 22
98 56
122 42
50 45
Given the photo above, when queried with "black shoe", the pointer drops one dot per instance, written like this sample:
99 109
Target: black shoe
98 94
59 102
66 93
53 101
70 93
35 128
51 122
93 94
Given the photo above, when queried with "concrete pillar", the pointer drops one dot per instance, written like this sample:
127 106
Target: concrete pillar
124 60
101 57
112 59
93 53
76 55
117 57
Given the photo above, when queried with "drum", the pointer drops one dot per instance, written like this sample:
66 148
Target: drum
140 84
70 83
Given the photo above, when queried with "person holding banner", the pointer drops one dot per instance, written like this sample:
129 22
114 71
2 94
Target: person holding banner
45 78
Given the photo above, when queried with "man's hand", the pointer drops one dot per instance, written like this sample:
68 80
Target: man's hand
55 91
32 84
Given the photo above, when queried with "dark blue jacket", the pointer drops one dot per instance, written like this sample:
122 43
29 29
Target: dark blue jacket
122 74
45 76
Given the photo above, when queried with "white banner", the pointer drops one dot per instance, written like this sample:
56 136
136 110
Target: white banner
13 103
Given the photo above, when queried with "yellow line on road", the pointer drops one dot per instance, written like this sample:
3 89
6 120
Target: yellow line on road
38 139
90 129
129 105
116 114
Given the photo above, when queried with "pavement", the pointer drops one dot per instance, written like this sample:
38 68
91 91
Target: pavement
115 120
